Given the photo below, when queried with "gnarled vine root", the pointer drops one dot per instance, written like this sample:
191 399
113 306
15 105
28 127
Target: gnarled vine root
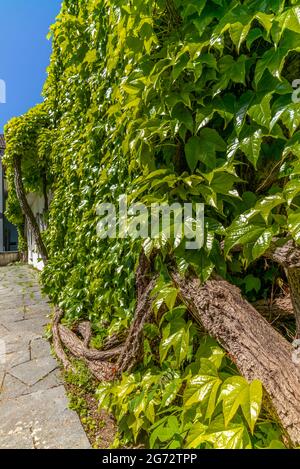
256 348
107 363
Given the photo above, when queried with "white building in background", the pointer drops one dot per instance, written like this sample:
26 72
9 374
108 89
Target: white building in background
37 205
8 232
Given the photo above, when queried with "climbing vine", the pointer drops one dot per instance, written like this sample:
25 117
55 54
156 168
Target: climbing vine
167 101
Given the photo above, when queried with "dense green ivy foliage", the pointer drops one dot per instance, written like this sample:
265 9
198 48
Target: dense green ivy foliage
189 396
166 100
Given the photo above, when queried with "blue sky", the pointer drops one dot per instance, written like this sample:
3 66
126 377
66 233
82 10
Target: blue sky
24 52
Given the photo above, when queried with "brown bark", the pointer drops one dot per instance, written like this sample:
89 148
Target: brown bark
287 254
279 308
94 359
84 328
257 349
133 348
58 348
31 221
78 348
115 340
293 275
127 354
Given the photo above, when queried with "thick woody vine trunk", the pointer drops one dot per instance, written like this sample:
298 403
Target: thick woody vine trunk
32 223
118 354
256 348
288 256
132 352
293 275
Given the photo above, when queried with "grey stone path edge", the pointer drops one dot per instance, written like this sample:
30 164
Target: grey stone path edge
34 410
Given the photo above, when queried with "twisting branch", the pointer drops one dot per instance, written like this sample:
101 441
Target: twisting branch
58 348
29 216
127 354
287 254
257 349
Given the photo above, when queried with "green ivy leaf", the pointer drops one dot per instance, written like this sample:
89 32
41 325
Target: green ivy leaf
261 113
237 392
291 190
294 225
203 148
231 437
266 205
239 33
183 115
178 340
252 283
192 152
203 387
170 392
264 241
243 234
289 19
251 146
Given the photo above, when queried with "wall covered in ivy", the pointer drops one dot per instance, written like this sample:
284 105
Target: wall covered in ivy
165 101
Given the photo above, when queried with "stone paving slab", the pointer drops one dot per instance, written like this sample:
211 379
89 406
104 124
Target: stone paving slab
34 411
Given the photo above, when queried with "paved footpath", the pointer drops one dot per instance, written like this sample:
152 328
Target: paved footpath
33 404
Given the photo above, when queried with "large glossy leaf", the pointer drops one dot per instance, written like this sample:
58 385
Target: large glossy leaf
261 113
266 205
210 349
184 116
242 234
291 117
232 70
166 295
194 438
203 148
292 190
203 388
251 146
165 431
192 153
263 242
231 437
272 60
239 33
170 392
266 20
293 145
178 340
237 392
242 107
289 19
294 225
251 409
